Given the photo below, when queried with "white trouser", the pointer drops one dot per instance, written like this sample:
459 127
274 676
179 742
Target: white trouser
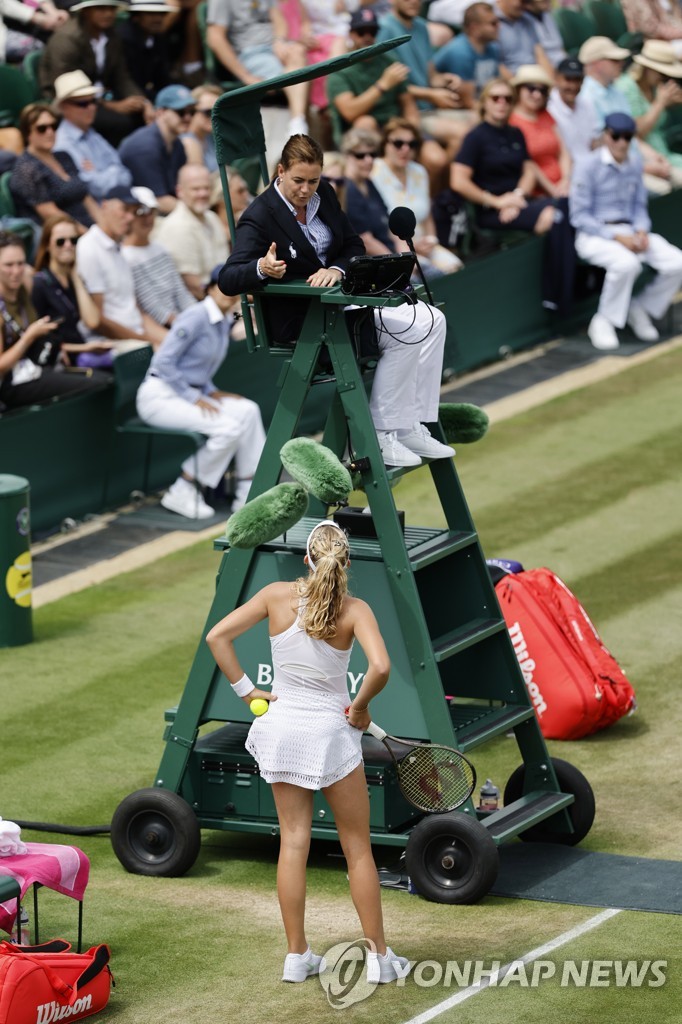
235 430
623 268
406 387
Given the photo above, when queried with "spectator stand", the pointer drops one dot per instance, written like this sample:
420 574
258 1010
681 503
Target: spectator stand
575 27
29 69
129 372
609 20
15 93
25 229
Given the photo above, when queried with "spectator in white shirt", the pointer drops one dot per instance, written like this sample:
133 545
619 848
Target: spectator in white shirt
575 116
108 277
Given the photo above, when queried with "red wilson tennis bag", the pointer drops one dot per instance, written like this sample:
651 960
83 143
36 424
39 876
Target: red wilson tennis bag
42 984
574 683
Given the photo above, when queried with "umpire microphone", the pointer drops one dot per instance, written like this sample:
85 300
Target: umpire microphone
403 224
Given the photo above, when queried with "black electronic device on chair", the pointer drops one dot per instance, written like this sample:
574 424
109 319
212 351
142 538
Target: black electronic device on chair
378 275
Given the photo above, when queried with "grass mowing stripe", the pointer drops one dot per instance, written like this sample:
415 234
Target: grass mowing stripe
635 400
527 958
592 485
656 568
576 549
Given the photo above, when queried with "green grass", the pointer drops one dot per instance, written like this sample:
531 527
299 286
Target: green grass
589 485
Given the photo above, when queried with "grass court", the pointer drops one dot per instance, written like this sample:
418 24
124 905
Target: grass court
588 484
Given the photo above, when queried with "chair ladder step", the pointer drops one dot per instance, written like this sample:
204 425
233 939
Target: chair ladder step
465 636
521 814
438 547
477 723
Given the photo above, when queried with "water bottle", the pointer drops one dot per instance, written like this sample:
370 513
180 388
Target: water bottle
490 796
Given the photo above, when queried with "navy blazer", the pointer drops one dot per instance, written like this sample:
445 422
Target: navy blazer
268 219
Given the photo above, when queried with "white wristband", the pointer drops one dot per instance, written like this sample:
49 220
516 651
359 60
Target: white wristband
243 686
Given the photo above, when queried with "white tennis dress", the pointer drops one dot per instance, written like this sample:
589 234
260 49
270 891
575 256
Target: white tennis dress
304 738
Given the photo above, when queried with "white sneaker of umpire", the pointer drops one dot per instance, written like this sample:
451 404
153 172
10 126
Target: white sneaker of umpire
419 441
602 333
640 323
184 498
393 452
389 967
300 966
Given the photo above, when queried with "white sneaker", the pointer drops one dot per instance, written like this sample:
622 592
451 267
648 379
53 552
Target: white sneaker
602 333
419 441
184 498
640 323
300 966
389 967
393 452
298 125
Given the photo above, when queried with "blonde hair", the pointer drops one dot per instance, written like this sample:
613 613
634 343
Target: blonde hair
323 591
491 84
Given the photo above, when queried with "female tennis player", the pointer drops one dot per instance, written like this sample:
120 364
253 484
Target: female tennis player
305 742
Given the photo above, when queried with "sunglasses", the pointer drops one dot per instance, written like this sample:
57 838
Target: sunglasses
617 136
542 89
500 98
187 112
334 181
42 128
363 156
61 242
402 143
83 103
206 111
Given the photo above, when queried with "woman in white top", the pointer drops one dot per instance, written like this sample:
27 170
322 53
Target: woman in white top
306 741
402 181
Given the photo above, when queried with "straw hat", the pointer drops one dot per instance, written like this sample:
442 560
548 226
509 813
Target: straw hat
150 7
659 55
74 85
531 74
84 4
601 48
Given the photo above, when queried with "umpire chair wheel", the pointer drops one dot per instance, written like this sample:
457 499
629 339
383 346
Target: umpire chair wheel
451 858
581 811
155 832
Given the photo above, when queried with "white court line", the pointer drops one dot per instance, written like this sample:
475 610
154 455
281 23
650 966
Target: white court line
535 954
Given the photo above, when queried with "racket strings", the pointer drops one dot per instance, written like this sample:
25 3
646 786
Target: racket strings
436 778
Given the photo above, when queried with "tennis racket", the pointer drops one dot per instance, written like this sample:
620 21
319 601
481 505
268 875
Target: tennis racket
432 777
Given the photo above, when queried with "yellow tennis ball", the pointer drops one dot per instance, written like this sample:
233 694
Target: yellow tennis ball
259 706
18 580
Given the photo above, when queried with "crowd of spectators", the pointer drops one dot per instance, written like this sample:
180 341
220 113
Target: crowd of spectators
480 111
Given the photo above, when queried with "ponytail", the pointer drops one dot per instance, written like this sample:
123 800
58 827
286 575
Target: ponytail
324 590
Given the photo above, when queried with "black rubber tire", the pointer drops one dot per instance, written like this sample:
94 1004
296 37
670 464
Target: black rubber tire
155 832
581 811
451 858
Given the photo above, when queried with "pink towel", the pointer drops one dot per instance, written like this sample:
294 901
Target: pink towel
65 869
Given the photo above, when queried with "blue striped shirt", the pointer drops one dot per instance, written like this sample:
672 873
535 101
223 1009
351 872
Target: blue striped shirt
605 194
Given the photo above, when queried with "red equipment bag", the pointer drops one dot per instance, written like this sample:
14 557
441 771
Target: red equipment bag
574 682
42 984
